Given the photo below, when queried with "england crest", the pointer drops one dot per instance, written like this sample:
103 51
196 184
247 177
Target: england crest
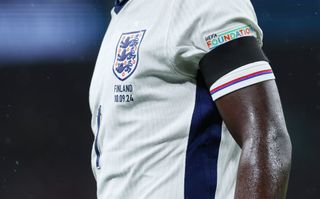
127 54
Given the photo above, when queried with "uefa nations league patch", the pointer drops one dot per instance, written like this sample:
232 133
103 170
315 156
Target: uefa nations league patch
215 40
127 54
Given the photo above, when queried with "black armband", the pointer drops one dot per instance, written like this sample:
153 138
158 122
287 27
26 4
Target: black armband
230 56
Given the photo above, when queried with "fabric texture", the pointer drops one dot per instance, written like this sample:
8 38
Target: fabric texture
157 131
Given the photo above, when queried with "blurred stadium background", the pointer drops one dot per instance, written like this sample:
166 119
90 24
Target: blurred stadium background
48 50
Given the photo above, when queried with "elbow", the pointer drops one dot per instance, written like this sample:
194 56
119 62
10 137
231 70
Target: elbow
285 150
281 161
285 145
280 153
272 149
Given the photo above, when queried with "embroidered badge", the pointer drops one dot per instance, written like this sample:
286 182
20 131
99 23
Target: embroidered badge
127 54
215 40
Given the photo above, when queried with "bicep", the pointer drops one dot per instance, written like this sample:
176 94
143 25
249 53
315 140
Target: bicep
253 113
254 118
242 84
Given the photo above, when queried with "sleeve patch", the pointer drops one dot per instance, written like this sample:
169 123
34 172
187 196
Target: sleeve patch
216 39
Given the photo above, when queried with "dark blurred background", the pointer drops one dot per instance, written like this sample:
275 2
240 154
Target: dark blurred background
48 50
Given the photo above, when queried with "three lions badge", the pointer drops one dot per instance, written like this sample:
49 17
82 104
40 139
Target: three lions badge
127 54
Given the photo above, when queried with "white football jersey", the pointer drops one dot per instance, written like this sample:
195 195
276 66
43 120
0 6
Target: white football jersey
158 134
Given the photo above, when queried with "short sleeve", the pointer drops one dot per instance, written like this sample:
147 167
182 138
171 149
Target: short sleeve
201 26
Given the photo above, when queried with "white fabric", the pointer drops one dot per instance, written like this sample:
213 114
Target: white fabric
194 20
228 162
145 126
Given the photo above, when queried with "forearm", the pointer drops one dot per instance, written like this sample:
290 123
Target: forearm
264 167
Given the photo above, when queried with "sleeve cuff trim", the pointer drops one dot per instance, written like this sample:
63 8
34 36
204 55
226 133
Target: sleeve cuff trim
240 79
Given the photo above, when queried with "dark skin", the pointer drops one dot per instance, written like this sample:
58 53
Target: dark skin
255 119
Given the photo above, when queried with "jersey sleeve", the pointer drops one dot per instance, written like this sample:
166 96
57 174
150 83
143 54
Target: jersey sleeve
222 39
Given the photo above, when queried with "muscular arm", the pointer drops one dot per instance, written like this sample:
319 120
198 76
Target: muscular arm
255 119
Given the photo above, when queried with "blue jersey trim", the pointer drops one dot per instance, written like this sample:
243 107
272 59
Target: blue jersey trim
203 146
119 5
